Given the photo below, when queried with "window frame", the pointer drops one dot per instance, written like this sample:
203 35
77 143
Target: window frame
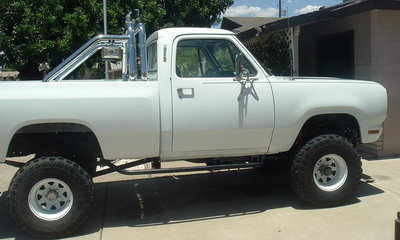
231 39
151 71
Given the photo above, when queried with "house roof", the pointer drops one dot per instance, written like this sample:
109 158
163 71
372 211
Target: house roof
338 11
242 24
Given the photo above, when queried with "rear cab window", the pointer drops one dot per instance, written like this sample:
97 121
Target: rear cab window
152 60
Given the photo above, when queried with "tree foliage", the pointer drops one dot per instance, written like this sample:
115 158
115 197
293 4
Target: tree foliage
273 50
38 31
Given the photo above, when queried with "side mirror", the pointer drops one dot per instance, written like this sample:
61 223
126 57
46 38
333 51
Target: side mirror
238 67
112 53
242 75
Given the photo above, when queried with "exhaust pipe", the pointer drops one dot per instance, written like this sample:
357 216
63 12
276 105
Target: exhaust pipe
133 28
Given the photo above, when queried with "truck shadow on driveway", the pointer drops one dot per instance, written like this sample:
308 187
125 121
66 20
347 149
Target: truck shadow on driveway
182 198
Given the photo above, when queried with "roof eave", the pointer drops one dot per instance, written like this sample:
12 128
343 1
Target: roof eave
337 11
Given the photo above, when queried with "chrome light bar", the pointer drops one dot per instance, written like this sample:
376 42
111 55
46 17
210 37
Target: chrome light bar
88 49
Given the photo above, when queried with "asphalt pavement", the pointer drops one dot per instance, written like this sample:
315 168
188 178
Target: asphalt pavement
247 204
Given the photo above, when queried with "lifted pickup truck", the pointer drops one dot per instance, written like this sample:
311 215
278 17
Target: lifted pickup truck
187 94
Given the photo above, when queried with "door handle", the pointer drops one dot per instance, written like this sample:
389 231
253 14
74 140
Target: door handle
185 93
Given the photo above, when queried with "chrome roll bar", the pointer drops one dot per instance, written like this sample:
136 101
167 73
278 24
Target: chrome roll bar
81 55
125 41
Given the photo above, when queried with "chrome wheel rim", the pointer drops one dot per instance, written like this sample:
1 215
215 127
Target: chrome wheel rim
50 199
330 172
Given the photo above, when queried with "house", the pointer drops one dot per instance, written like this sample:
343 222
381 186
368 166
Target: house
354 40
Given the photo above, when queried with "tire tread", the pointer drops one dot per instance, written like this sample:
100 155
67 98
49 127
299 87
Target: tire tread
298 172
50 162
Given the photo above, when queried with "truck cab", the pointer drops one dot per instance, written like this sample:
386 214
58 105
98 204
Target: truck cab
212 114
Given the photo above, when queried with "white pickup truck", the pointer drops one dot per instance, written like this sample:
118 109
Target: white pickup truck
187 94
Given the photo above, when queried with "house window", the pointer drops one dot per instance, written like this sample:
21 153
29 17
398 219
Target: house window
335 55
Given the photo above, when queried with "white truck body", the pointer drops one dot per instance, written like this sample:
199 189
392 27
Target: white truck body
140 119
201 97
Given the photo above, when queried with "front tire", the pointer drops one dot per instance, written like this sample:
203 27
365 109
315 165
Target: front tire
50 197
326 171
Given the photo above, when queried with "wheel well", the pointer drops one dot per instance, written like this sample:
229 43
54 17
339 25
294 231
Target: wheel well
72 141
344 125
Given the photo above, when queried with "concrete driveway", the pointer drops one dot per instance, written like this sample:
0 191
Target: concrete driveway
230 205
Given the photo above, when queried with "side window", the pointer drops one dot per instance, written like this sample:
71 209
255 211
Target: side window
94 68
192 62
208 58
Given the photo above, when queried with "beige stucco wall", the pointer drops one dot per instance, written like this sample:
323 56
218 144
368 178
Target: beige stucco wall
376 58
385 69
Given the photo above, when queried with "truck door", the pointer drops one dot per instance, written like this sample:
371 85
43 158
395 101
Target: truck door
213 115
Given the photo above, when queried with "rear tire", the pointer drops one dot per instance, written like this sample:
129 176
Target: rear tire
326 171
50 197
